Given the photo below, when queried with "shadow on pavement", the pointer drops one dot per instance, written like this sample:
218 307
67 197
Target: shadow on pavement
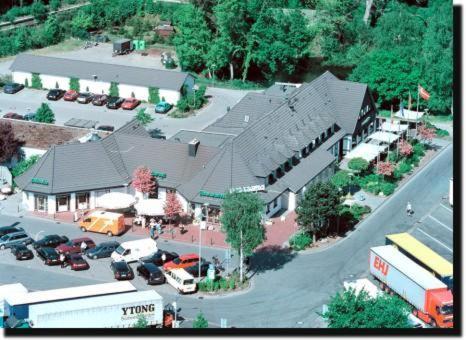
270 258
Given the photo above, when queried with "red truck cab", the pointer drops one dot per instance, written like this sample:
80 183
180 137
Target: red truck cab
439 308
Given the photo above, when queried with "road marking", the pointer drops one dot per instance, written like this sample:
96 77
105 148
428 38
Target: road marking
441 223
434 239
450 210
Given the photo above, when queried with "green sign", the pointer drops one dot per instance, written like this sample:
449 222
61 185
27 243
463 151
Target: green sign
159 174
211 194
40 181
139 45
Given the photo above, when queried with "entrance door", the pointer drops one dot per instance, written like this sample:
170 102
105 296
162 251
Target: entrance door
63 203
82 200
40 203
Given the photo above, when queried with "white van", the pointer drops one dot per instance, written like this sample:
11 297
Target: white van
181 280
132 251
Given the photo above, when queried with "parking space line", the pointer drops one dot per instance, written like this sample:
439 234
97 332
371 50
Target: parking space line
441 223
434 239
449 209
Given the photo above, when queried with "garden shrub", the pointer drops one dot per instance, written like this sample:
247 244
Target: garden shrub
387 188
441 133
358 210
231 284
404 167
300 241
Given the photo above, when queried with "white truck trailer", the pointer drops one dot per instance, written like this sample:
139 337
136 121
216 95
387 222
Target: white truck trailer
114 311
431 298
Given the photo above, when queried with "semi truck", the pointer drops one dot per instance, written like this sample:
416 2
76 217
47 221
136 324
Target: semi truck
114 311
431 299
18 305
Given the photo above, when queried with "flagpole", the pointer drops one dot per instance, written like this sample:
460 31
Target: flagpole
417 109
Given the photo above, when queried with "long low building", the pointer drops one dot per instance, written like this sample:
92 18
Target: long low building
274 144
97 77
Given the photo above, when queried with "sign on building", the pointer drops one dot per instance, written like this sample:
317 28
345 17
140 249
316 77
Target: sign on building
139 45
251 188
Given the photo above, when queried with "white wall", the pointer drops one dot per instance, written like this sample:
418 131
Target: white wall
20 77
50 82
97 87
141 93
51 204
183 201
170 96
291 201
29 152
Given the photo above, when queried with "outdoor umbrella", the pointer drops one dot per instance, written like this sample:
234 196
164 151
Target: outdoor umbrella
150 207
116 200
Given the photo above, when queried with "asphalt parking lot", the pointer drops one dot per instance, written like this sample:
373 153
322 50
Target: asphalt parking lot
29 100
35 275
435 229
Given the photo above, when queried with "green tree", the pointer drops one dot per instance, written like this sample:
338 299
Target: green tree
80 24
21 40
154 97
74 84
437 52
45 114
39 11
341 179
200 321
241 221
54 4
321 202
351 310
24 165
358 164
143 117
193 38
51 31
279 41
36 82
114 91
142 322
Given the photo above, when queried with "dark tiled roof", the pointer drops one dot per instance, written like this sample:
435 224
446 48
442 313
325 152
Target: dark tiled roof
245 113
172 80
280 90
204 137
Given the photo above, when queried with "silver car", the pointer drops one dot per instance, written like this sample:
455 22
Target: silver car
9 240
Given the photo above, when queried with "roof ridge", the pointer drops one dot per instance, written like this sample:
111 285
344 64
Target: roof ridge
118 154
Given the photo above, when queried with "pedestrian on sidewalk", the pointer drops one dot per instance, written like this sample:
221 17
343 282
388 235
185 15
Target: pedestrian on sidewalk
152 228
83 247
159 227
62 260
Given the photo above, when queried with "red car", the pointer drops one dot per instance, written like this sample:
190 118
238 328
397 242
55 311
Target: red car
71 95
77 262
12 115
130 103
184 261
74 246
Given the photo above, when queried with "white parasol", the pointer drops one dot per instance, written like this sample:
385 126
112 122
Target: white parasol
116 200
150 207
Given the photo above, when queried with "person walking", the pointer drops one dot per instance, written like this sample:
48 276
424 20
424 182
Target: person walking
164 257
409 209
83 247
62 260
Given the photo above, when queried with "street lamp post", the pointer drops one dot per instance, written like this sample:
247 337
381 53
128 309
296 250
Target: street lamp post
200 235
175 308
195 88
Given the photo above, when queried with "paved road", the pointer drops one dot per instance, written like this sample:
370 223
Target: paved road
29 100
288 289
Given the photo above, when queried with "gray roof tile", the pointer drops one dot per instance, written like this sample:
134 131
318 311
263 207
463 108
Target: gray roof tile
172 80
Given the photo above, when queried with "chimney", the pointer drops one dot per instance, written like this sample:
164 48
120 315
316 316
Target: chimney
193 146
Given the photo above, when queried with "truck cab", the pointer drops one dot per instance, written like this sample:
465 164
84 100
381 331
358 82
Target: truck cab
441 308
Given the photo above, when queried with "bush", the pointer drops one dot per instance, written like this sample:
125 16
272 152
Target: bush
358 210
418 150
24 165
114 91
154 95
36 82
183 104
300 241
358 164
74 84
45 114
404 167
387 188
441 133
232 283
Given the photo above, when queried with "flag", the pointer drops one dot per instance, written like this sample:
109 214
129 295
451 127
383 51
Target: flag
423 93
409 101
402 111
